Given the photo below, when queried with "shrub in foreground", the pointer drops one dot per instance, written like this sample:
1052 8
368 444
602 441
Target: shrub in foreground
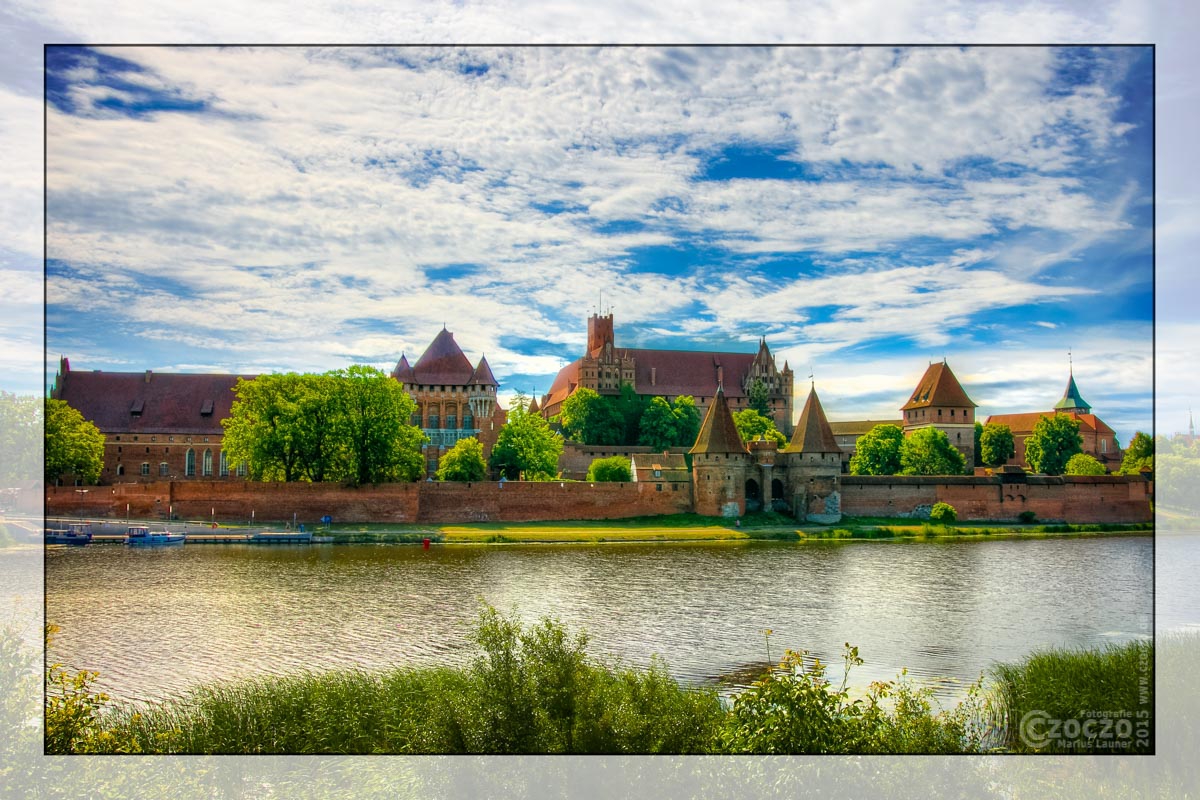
943 513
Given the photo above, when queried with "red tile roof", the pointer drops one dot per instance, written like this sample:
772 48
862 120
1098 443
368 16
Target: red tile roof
443 362
938 387
1023 423
165 403
718 433
813 434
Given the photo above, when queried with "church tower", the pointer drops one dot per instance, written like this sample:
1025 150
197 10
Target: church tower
720 463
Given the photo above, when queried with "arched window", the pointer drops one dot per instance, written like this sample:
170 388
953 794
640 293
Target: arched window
162 469
241 470
223 465
120 470
207 463
190 463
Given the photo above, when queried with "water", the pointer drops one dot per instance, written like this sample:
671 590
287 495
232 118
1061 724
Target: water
155 622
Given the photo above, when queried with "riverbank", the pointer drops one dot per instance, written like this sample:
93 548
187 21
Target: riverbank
695 528
535 689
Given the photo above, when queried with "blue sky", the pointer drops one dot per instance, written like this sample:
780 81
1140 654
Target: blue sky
868 210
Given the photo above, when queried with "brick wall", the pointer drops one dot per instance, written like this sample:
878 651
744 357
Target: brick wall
1101 498
411 502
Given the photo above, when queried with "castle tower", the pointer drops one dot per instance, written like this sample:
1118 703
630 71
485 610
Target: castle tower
600 334
1072 402
814 466
720 463
939 401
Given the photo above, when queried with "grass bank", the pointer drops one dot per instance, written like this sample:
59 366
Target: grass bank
535 689
693 527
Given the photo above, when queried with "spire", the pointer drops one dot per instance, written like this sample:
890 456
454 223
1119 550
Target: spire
1071 400
813 434
533 406
483 374
718 433
403 370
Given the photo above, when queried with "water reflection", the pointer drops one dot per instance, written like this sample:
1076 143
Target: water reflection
157 622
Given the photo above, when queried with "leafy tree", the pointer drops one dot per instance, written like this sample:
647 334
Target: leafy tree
979 462
526 447
1083 464
760 398
659 426
687 420
380 444
21 432
611 470
349 425
751 425
1053 441
996 445
878 451
631 407
73 444
463 462
587 417
928 452
1139 454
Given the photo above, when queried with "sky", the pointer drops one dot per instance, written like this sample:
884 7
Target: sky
866 209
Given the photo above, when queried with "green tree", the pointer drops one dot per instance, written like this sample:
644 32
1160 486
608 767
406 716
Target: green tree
878 451
751 425
380 444
21 432
978 445
760 398
526 447
1139 454
631 407
996 445
463 462
587 417
687 420
614 469
928 452
1053 441
73 444
264 427
1083 464
659 427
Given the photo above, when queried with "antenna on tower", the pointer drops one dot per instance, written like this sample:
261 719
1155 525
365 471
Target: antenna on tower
1070 363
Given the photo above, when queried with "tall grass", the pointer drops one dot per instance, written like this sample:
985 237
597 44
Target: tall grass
1049 698
535 689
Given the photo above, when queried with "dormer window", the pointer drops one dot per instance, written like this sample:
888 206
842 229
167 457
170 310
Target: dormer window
137 407
206 409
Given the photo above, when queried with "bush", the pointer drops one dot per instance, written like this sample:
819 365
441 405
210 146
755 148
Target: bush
609 470
1027 517
943 513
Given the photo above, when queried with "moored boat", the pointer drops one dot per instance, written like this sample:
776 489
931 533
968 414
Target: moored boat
142 536
281 537
76 534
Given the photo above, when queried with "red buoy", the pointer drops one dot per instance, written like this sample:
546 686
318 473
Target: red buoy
425 543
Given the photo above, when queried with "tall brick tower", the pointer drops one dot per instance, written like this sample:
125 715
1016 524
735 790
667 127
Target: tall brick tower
814 466
720 463
939 401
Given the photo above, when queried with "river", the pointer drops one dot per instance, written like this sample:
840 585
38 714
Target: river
154 622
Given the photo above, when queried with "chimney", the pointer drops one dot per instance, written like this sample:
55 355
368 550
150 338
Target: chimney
148 374
653 376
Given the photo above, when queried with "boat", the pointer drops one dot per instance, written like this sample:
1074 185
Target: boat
141 536
280 537
76 534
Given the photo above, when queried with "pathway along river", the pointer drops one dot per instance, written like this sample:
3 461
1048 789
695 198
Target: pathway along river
156 622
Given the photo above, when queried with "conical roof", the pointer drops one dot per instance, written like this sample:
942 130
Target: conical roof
938 387
443 362
718 433
403 370
813 434
533 406
482 376
1071 399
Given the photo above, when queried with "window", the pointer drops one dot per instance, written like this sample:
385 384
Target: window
451 421
189 468
1104 445
435 421
658 473
120 470
145 467
658 487
468 422
223 465
207 463
416 419
162 469
241 470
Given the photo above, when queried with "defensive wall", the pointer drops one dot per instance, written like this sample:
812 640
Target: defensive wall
425 502
1099 498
